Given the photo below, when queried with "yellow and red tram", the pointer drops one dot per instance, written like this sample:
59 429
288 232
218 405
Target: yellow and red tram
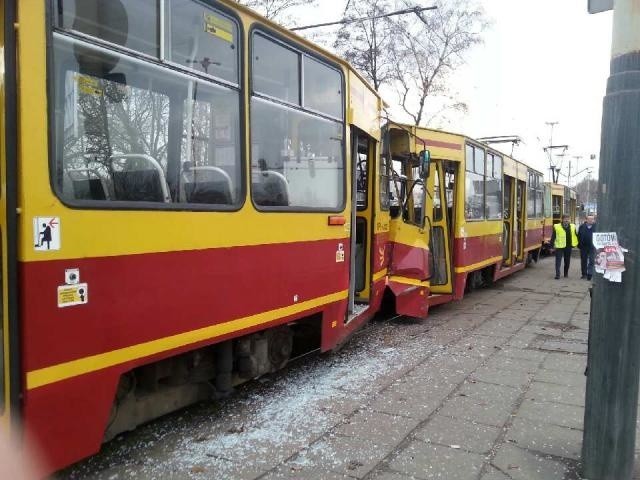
559 200
484 216
187 189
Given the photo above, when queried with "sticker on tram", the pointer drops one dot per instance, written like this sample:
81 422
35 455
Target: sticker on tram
70 295
340 253
218 27
46 234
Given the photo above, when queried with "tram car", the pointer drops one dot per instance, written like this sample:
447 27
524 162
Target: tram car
190 196
559 200
482 220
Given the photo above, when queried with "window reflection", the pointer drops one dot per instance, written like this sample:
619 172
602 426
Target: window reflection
128 130
130 23
275 70
202 39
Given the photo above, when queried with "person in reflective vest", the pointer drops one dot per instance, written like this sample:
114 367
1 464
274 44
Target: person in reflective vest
563 239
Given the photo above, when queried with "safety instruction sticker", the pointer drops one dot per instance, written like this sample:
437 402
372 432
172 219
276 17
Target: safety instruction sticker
340 253
46 233
70 295
218 27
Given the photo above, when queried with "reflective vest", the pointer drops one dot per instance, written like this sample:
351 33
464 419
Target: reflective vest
561 236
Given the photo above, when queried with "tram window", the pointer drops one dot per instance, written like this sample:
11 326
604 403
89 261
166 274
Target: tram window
296 158
547 201
202 39
141 133
531 195
494 187
132 24
275 70
474 205
385 192
437 202
322 88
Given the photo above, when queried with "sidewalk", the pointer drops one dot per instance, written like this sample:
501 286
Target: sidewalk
506 400
488 388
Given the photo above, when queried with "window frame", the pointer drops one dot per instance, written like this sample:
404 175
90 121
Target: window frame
494 155
475 147
240 89
276 37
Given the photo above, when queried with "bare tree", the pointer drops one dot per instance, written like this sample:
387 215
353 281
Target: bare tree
277 10
414 53
427 51
367 44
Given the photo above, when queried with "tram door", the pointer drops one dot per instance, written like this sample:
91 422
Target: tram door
443 188
518 226
362 156
507 225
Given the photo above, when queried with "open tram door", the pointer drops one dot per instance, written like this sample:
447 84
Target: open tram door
513 227
410 219
10 374
442 183
363 155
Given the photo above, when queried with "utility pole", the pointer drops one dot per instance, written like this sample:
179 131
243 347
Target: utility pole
550 150
608 445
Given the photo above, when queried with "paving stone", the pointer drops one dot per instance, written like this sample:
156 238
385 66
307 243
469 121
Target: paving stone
406 404
565 362
570 416
447 361
290 472
522 340
510 378
428 373
549 392
377 427
503 362
546 438
391 476
466 321
564 346
469 436
343 455
522 465
531 355
428 461
493 407
477 346
561 378
494 474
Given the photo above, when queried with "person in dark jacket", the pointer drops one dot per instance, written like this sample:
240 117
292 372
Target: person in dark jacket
563 239
587 250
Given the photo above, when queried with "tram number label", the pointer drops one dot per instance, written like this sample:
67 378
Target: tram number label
70 295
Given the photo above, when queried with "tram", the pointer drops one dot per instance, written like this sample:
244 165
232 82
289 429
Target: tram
559 200
483 220
190 194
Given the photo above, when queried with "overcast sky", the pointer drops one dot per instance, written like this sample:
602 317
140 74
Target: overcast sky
543 60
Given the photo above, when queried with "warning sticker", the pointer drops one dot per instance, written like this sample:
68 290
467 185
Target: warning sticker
340 253
70 295
46 234
89 85
218 27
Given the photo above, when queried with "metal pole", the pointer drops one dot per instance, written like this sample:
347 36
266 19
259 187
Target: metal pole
614 336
